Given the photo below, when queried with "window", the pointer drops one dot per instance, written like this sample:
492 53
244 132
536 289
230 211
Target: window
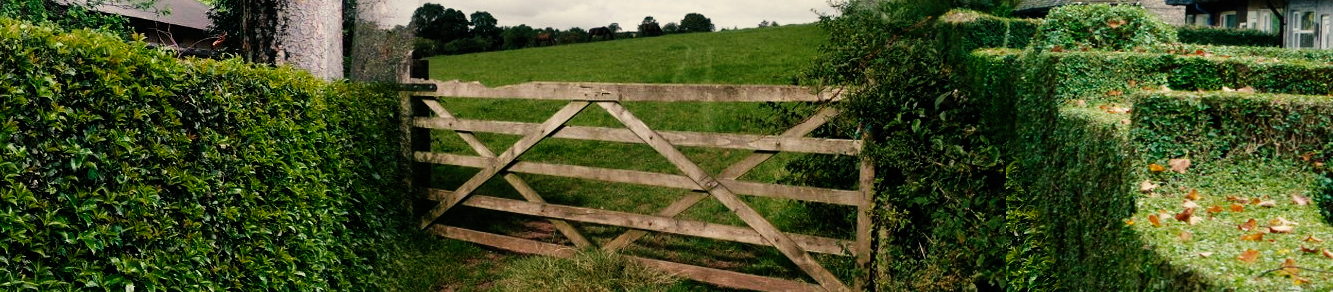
1304 32
1229 20
1203 20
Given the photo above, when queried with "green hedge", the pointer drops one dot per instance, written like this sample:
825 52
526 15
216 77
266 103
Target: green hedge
966 30
1214 125
126 168
1227 37
1102 27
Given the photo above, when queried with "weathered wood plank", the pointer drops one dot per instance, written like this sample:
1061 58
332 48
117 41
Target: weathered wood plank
518 183
719 277
811 194
727 278
505 159
724 195
734 171
862 250
645 222
590 91
693 139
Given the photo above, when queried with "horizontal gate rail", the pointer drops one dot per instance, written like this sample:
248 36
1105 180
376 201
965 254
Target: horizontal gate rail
723 187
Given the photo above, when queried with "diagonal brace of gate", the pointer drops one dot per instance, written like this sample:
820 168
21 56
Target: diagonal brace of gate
514 180
729 199
505 160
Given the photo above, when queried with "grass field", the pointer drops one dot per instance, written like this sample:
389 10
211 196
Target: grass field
755 56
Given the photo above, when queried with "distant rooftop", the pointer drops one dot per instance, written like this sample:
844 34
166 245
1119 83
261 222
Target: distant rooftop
1048 4
186 13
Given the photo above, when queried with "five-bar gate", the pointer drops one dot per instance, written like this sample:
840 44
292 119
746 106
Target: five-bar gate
723 187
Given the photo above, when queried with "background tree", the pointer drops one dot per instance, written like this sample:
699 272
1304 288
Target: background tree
484 27
74 14
426 21
671 27
573 36
649 27
251 27
518 37
455 26
695 22
763 24
614 27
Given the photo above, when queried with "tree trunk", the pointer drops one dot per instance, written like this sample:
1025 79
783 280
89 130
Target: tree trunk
1281 20
313 39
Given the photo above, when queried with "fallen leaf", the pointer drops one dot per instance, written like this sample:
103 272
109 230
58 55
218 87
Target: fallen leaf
1133 83
1281 221
1247 89
1193 195
1081 103
1184 216
1254 201
1155 222
1327 254
1308 250
1299 281
1179 165
1115 23
1300 200
1237 208
1129 222
1117 110
1206 254
1247 225
1185 235
1289 266
1194 220
1227 89
1281 229
1124 121
1116 92
1268 203
1248 256
1214 209
1311 238
1156 167
1307 156
1190 205
1147 186
1235 199
1058 49
1164 88
1253 237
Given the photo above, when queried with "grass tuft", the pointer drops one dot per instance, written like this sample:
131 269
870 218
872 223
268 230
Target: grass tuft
588 271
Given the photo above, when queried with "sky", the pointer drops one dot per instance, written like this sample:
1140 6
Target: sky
564 14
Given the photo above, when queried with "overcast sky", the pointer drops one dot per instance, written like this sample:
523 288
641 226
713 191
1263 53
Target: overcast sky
564 14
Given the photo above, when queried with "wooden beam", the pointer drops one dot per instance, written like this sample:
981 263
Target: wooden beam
718 277
518 183
866 183
645 222
734 171
724 195
590 91
693 139
810 194
505 159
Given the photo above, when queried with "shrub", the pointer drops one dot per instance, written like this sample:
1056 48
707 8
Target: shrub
124 167
1102 27
1203 35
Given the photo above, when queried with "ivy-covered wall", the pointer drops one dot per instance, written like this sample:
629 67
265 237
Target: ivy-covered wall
124 168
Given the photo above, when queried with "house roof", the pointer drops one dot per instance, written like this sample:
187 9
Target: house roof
187 13
1047 4
1189 2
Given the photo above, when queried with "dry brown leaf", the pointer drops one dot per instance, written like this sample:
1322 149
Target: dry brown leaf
1156 167
1247 89
1299 281
1190 205
1253 237
1164 88
1327 254
1237 208
1117 110
1214 209
1194 220
1300 200
1193 195
1058 49
1184 216
1308 250
1206 254
1227 89
1282 221
1254 201
1307 156
1268 203
1179 165
1248 225
1311 238
1147 186
1081 103
1289 267
1155 222
1248 256
1236 199
1115 23
1116 92
1133 83
1185 235
1281 229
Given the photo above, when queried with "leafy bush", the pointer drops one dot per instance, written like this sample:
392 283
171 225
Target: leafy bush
1102 27
124 167
1227 36
1211 126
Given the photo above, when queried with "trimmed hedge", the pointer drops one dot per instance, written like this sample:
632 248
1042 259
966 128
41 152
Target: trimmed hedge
1211 126
966 30
1227 36
1102 27
126 168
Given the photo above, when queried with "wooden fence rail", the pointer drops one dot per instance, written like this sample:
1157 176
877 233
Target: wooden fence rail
723 187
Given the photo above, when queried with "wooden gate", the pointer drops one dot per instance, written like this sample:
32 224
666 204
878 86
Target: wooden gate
724 186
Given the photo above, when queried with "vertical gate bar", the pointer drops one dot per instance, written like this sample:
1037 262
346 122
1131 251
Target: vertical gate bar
418 139
863 224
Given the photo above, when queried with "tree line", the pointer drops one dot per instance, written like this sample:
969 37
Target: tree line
446 31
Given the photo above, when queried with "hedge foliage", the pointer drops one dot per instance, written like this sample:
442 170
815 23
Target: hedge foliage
1212 126
124 168
1102 27
1204 35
